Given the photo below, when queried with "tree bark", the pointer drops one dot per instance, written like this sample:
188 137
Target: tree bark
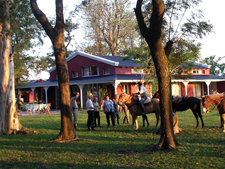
8 118
153 37
56 35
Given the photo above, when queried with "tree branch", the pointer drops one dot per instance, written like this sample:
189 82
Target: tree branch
141 24
41 17
59 15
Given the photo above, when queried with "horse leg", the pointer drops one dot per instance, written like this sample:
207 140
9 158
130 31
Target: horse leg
196 116
146 118
136 124
199 114
143 119
157 119
222 118
133 123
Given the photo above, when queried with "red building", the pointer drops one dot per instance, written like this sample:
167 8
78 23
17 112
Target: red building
113 75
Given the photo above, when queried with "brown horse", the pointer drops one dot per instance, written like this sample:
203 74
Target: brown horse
135 109
219 101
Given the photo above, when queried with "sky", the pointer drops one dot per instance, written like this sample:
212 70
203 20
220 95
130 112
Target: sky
212 44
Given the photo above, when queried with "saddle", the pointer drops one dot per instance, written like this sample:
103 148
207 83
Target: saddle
179 99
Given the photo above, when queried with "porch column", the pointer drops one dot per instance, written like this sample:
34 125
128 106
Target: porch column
46 95
185 83
207 83
19 95
115 84
81 95
56 96
33 89
202 89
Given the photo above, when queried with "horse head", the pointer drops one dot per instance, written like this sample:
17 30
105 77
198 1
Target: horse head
124 99
205 104
121 99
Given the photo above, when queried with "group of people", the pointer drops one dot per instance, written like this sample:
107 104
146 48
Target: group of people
110 108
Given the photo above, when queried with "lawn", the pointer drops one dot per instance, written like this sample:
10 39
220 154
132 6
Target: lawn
113 147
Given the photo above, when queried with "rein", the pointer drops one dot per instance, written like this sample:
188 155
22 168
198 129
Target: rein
130 105
217 104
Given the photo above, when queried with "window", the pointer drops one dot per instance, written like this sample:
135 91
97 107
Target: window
106 71
75 75
176 89
90 71
137 71
197 71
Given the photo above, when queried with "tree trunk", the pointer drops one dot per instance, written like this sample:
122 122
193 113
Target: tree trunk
153 37
8 118
56 35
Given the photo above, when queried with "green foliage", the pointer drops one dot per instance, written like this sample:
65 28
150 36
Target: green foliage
182 24
25 34
215 67
113 147
103 93
142 56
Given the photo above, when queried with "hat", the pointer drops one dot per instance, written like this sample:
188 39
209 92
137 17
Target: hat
140 82
90 95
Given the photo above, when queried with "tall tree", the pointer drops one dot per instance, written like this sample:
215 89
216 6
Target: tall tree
26 34
216 68
153 37
56 35
8 116
109 23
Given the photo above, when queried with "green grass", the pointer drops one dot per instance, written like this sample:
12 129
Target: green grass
113 147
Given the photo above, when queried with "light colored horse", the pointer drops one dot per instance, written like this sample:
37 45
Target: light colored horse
219 101
135 109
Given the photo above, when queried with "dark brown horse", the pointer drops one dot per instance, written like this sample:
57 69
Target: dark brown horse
184 103
135 109
219 101
189 103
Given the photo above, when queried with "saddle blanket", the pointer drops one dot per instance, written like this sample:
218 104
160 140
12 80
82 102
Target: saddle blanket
148 100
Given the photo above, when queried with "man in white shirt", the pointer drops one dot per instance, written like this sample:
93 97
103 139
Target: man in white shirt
143 92
90 108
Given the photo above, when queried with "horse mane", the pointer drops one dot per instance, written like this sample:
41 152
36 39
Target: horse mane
215 96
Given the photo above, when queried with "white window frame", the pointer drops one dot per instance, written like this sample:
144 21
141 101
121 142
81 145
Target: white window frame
137 71
197 71
103 69
73 74
89 70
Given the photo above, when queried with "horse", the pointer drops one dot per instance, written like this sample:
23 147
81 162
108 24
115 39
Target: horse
219 101
135 110
185 103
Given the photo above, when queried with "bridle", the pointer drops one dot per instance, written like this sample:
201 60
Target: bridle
216 105
124 101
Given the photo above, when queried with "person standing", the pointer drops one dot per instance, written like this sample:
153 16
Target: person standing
96 111
116 109
90 108
74 108
109 110
126 111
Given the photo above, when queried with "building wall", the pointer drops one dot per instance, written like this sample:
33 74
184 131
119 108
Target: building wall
75 64
122 70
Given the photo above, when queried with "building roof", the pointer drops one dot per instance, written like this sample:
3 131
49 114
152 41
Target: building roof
196 65
87 80
119 78
202 78
110 60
